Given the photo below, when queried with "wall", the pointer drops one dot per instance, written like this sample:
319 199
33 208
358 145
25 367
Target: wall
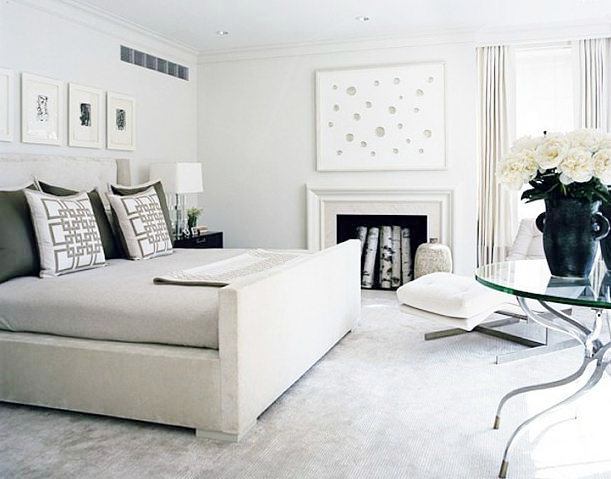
257 142
55 40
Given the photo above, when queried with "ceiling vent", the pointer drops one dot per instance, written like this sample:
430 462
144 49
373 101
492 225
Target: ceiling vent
136 57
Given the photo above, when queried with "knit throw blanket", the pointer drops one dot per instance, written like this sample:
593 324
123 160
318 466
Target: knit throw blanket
224 272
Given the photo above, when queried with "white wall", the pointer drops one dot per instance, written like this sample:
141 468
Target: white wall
257 142
52 39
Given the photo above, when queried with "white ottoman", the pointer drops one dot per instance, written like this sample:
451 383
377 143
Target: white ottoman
456 301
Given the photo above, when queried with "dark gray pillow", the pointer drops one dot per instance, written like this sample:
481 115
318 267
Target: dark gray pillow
131 190
110 244
18 248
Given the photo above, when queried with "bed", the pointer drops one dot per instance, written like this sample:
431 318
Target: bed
108 341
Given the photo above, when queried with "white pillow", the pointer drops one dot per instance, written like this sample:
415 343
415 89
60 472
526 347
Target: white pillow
67 234
142 224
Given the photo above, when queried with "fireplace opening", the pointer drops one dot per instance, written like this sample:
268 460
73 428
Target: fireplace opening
389 246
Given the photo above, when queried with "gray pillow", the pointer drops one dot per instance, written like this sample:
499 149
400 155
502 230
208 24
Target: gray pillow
112 248
131 190
18 249
67 234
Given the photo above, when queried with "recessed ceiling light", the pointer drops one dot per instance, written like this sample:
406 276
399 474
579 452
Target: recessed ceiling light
363 18
222 33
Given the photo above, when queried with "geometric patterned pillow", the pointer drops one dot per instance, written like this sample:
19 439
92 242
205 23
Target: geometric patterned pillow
142 224
67 234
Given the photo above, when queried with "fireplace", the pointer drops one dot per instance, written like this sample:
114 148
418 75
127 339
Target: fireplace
336 211
348 226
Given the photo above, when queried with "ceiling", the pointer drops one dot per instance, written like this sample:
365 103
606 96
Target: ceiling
256 23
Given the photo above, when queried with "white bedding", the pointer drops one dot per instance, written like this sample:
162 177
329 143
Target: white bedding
119 302
222 273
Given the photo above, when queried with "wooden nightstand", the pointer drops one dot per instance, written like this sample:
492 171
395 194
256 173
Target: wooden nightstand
210 239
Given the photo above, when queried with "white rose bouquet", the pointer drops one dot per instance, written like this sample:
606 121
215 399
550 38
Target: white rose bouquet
572 165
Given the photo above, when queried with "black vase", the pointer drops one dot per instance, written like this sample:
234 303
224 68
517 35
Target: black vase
571 229
605 244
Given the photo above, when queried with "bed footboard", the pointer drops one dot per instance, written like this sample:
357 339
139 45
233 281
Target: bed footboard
273 328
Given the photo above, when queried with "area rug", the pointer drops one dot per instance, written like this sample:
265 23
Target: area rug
382 404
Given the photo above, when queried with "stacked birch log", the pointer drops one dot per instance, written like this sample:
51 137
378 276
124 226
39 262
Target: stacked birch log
391 245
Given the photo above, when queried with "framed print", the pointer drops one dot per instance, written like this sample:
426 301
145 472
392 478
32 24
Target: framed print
41 110
7 98
381 118
84 116
120 122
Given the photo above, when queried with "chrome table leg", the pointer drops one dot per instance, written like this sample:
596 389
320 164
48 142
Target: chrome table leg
594 379
594 351
552 384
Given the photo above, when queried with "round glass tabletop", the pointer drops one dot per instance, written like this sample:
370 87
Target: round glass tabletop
532 279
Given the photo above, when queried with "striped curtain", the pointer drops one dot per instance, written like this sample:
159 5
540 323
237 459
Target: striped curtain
497 206
593 79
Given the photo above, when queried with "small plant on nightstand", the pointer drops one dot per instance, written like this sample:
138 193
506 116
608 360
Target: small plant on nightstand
192 215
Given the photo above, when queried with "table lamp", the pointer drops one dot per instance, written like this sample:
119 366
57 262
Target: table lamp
178 179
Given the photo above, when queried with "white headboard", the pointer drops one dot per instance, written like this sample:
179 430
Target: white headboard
78 173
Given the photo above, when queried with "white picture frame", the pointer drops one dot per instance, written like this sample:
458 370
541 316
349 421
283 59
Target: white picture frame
120 122
42 113
85 116
381 118
7 105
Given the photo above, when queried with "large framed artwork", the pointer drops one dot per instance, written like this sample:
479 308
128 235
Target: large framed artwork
7 97
120 122
84 116
41 110
381 118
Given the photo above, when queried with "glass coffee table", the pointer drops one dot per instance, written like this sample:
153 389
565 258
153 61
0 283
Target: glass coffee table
531 279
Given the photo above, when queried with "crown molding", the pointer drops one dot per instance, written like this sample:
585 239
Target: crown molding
133 33
479 36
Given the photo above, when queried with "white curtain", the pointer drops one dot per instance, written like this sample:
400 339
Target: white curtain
593 79
497 206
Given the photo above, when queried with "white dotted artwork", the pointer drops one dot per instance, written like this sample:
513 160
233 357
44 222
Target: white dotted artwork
381 118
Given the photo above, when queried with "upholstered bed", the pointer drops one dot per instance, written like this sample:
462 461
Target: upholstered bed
109 341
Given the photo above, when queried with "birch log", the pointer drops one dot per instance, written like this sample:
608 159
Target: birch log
370 257
406 256
361 235
395 279
386 257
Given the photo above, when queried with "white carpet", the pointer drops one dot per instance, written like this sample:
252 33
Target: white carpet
382 404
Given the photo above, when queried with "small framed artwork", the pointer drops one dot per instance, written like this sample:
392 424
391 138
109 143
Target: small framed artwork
6 105
41 110
121 122
84 116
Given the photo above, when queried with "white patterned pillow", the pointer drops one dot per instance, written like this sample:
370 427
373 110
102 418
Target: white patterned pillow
142 224
67 234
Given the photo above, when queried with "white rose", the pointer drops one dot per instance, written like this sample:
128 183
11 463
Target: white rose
602 165
605 142
577 166
525 143
552 151
586 138
517 169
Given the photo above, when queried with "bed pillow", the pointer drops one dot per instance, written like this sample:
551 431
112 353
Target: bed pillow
18 250
131 190
67 233
141 221
109 242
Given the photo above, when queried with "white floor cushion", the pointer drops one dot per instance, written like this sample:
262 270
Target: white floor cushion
450 295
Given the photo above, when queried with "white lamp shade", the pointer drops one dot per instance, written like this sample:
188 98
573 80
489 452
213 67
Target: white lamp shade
178 178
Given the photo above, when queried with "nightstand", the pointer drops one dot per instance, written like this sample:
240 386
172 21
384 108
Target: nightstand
210 239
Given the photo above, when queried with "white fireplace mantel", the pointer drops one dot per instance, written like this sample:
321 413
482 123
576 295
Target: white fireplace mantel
324 202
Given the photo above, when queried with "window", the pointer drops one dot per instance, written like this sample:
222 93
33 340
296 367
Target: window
544 99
